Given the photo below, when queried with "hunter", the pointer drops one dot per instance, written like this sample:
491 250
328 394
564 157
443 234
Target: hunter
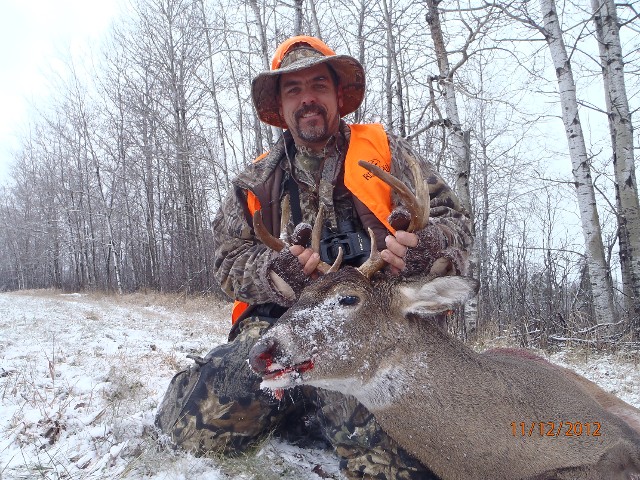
217 404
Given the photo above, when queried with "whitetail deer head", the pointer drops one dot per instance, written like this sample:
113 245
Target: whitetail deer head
339 334
464 415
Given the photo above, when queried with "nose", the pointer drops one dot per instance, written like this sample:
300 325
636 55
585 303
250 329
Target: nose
308 97
262 354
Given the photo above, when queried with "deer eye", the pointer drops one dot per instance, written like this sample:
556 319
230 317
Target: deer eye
349 300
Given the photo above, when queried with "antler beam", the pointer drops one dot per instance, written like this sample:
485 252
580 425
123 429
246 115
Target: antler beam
417 205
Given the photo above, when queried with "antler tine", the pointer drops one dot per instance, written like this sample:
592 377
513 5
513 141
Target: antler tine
284 216
418 206
337 263
375 262
316 236
277 244
422 195
263 234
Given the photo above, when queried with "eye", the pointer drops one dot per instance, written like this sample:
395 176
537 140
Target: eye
349 300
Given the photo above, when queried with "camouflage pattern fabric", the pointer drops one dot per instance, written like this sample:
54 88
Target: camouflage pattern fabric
242 261
217 406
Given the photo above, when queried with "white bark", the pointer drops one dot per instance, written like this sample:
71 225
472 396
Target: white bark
611 59
598 272
459 141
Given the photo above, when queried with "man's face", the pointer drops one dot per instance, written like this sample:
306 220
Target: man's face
309 102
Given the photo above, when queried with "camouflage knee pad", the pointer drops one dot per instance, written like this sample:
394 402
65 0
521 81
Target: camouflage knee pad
217 405
366 450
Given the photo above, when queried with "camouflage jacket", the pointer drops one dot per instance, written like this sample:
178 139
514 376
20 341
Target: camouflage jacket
241 261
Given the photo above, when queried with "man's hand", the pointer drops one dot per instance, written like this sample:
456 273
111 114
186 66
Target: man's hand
307 258
396 249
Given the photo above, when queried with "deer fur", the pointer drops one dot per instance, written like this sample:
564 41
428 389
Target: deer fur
608 401
450 407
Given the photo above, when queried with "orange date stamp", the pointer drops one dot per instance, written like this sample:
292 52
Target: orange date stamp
555 429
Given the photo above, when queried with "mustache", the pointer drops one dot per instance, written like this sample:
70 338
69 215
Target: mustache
310 109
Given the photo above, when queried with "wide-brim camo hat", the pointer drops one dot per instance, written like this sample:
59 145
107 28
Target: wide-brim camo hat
298 53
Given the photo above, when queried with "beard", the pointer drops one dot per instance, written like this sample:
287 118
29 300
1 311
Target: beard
316 131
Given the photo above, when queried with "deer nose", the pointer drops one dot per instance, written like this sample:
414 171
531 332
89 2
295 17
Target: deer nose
261 355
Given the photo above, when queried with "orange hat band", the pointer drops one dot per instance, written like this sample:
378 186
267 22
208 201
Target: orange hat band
287 46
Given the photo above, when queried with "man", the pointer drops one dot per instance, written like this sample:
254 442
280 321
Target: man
217 404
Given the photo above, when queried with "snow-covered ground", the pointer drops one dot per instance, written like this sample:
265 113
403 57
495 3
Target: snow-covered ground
82 375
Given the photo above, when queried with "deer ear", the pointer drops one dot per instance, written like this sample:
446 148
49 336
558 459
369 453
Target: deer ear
438 295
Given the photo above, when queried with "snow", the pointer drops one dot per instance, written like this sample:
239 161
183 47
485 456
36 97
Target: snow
326 320
82 375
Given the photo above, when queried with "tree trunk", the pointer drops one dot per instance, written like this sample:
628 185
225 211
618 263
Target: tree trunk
459 141
361 49
264 50
314 16
621 129
214 98
393 59
598 271
297 29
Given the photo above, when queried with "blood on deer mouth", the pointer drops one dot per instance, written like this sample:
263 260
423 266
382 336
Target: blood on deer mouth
275 373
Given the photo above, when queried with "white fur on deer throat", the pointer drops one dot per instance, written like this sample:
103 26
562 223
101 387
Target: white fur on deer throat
381 391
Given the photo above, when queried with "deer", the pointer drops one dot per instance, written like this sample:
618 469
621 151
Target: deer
503 414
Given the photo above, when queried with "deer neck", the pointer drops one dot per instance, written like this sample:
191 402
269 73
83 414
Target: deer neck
414 360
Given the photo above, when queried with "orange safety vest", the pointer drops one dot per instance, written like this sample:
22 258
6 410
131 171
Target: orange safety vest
368 142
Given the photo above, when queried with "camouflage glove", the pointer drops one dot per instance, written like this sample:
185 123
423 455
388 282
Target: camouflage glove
286 278
421 258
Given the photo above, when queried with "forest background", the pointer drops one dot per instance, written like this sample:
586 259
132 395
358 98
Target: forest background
526 108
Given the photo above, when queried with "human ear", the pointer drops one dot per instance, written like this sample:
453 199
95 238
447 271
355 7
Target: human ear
340 99
280 110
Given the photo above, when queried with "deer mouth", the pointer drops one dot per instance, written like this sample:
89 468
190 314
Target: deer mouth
277 372
277 378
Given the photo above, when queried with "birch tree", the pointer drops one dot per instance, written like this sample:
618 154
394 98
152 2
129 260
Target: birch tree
459 141
621 129
600 279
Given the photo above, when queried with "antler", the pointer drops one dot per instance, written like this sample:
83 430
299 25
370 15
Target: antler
278 244
418 206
